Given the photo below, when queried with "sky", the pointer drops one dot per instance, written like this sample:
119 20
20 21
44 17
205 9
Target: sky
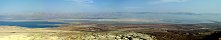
72 6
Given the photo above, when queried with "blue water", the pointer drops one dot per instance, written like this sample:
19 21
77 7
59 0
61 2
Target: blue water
31 24
164 18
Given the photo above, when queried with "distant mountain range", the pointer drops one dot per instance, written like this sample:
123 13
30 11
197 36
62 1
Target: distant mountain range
170 13
112 15
1 16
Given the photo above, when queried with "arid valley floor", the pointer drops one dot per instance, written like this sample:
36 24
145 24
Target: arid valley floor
93 31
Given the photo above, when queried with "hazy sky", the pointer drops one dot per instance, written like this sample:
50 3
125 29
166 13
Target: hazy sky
25 6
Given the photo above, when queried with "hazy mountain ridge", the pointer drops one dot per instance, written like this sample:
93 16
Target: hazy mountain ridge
96 15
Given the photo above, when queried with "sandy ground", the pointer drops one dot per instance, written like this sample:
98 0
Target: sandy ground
20 33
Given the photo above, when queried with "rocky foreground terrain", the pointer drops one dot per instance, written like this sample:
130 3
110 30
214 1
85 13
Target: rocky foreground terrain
18 33
95 31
